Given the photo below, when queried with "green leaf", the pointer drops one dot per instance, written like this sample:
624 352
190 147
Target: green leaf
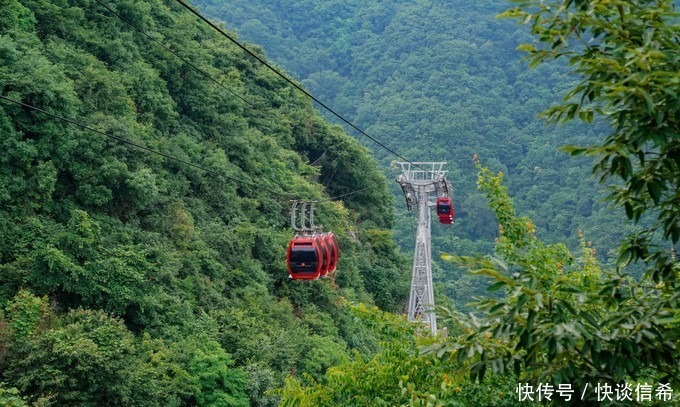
629 209
586 315
496 286
655 188
526 48
649 104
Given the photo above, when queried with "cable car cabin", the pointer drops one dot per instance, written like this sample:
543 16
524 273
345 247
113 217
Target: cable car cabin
445 220
445 210
332 244
305 258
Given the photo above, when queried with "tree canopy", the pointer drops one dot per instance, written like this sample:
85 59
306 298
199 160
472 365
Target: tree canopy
131 278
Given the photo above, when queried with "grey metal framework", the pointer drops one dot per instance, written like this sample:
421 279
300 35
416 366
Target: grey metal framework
307 226
422 183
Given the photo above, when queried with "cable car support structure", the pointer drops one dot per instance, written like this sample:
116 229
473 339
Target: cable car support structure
422 183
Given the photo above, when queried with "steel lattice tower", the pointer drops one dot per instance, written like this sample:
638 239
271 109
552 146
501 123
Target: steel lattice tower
422 183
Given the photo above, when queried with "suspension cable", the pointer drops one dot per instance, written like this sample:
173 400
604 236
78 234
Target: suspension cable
295 85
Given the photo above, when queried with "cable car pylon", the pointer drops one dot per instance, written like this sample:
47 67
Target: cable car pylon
423 183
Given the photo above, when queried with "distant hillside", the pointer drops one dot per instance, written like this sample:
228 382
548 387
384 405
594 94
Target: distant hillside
128 278
441 81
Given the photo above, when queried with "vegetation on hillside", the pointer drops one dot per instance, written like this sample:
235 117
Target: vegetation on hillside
442 80
562 320
127 278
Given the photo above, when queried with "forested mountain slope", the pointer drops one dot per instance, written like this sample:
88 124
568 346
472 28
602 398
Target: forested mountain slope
129 278
442 80
561 321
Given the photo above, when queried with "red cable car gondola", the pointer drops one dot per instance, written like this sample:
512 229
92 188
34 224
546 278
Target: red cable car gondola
445 210
305 258
311 254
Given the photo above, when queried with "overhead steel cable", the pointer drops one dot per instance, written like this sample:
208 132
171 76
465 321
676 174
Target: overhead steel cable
345 195
292 83
207 75
186 61
167 156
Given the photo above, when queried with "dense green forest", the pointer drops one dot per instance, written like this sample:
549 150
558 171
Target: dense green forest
127 278
442 80
561 318
144 209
